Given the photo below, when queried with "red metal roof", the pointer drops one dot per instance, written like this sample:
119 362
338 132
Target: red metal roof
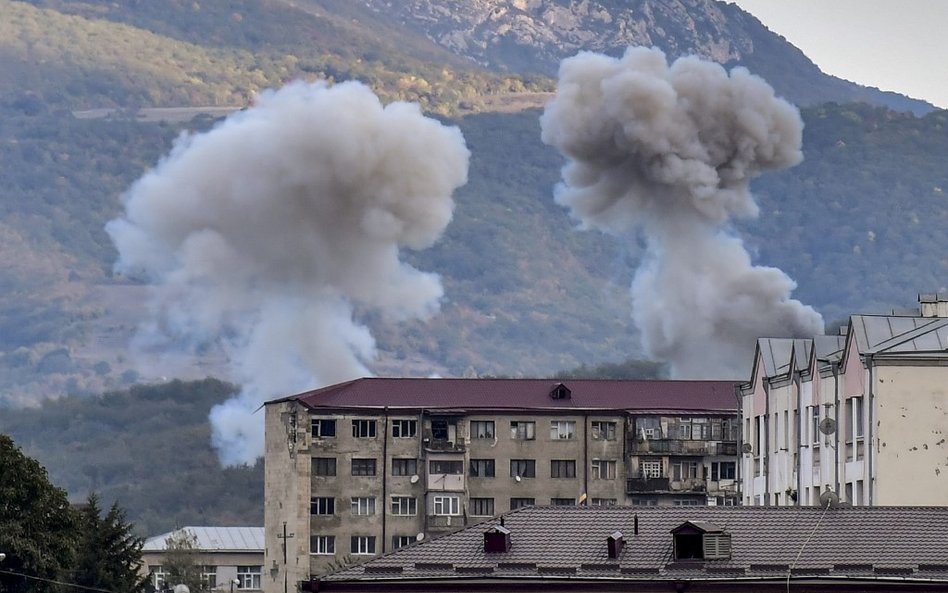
524 394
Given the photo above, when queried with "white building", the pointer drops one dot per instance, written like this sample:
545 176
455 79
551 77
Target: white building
863 415
229 556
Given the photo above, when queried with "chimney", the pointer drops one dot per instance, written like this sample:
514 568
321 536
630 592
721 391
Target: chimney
933 305
615 543
497 540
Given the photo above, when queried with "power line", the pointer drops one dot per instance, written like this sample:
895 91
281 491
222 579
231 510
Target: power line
26 576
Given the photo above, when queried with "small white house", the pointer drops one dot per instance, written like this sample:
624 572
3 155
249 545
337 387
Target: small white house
232 557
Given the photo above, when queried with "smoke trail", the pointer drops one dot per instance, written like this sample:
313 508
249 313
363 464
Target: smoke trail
263 233
669 151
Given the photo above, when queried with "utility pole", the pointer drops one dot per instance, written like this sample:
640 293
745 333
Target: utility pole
284 537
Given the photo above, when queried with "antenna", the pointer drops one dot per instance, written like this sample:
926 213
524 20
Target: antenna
413 479
747 448
420 536
827 499
518 478
827 426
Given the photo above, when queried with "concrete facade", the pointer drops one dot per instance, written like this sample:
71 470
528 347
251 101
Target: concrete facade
861 415
352 484
228 555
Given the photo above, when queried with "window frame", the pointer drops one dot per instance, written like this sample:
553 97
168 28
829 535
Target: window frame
356 547
518 502
324 467
325 506
322 545
364 425
597 466
600 427
476 505
452 467
362 506
528 467
367 467
557 467
318 428
452 501
482 467
406 428
404 506
252 574
523 430
489 429
562 430
408 465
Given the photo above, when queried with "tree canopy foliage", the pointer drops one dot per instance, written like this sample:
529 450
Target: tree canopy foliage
109 554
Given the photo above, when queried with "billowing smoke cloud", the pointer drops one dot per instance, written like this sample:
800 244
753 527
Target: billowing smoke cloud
262 235
667 152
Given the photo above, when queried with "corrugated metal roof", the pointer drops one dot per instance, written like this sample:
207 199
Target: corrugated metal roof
899 335
523 394
230 539
775 354
864 542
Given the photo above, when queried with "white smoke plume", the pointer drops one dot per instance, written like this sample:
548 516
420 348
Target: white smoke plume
262 235
667 152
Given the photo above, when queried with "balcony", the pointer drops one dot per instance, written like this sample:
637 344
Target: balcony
444 522
639 485
446 482
442 445
682 447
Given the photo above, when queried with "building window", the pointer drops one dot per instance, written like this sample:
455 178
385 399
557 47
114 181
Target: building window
403 429
363 505
482 468
323 545
363 429
248 577
562 502
685 470
446 505
644 502
563 468
815 425
516 503
209 577
562 429
443 466
723 470
603 469
322 428
404 466
603 431
363 467
523 468
650 469
688 502
404 505
322 505
523 431
482 507
362 545
482 429
400 541
603 502
857 418
324 466
158 577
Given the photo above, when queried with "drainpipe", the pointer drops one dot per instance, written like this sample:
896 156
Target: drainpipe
797 435
739 475
586 459
384 475
868 439
765 454
836 417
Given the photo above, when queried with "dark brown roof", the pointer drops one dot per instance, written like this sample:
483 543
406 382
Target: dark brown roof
844 543
524 394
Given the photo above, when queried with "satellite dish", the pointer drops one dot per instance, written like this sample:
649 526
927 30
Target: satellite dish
420 536
518 478
827 426
829 499
181 589
747 448
413 479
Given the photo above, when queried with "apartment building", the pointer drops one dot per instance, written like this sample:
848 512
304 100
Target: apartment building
861 415
231 558
361 468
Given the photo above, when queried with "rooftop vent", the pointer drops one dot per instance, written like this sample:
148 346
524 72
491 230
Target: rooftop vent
560 391
615 543
497 540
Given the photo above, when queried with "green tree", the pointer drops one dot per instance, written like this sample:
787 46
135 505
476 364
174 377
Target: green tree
109 553
182 562
38 528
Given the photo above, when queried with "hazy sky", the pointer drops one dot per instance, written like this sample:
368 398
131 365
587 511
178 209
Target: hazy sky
895 45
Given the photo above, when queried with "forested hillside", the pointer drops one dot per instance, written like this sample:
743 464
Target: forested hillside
147 448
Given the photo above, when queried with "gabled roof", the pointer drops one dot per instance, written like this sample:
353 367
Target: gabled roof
550 543
892 334
775 355
217 539
521 394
